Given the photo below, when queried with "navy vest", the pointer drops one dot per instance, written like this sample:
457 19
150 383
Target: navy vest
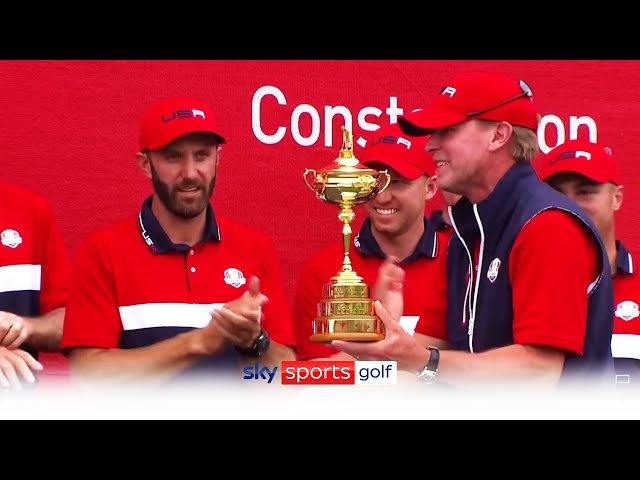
516 199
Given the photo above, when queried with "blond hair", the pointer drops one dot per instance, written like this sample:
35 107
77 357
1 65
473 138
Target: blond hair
524 143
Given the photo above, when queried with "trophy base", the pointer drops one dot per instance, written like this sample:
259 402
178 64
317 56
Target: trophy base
353 329
348 337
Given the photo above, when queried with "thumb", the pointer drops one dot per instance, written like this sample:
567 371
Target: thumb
253 289
389 322
390 278
253 286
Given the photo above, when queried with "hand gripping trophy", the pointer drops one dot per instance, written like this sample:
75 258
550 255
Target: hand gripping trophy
346 310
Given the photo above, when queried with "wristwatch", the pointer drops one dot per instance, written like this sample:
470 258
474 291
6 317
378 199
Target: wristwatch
430 373
259 347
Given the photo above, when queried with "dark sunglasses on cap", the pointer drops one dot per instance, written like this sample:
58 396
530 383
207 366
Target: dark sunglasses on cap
526 92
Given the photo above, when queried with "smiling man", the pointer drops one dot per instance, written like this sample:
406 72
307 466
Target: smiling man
528 286
396 227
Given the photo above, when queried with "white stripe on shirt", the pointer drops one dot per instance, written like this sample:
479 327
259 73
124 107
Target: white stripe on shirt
16 278
625 346
150 315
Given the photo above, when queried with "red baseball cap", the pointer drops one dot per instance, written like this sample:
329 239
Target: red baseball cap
407 156
580 156
169 119
486 95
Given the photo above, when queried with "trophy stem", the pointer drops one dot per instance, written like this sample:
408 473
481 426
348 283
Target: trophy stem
346 310
346 216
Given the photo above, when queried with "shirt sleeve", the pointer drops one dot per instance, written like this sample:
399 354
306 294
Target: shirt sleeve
55 264
92 317
552 264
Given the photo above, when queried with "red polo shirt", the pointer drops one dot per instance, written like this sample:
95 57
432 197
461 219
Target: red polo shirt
132 287
625 342
366 257
34 265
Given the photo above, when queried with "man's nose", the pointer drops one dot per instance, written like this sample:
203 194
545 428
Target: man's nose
385 195
189 167
432 142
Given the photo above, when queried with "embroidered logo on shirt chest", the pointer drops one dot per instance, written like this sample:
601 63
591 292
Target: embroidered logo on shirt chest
10 238
234 277
627 310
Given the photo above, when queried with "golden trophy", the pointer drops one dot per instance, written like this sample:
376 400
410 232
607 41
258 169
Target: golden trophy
346 310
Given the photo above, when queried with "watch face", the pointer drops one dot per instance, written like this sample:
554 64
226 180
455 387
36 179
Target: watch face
259 347
262 344
427 376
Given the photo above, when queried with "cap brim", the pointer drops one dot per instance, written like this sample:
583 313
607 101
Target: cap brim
423 122
566 168
167 139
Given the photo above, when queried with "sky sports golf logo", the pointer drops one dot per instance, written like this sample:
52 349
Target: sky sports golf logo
326 372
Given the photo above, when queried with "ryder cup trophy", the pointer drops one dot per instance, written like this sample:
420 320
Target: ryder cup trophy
346 310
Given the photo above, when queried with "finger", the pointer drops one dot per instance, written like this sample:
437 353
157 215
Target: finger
239 329
22 337
4 383
16 335
8 369
5 325
232 335
230 320
31 362
355 349
390 277
390 323
222 330
253 286
392 271
10 337
23 371
246 312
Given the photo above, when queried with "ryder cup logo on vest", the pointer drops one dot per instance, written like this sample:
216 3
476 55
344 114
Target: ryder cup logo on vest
234 277
11 238
494 269
627 310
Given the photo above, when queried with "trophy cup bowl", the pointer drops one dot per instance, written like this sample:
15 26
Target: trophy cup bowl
346 310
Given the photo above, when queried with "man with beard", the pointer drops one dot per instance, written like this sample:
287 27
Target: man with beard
174 291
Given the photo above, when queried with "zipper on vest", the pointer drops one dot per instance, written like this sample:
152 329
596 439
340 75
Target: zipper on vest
472 316
467 294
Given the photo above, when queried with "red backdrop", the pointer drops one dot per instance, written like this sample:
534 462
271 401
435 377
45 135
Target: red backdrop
69 130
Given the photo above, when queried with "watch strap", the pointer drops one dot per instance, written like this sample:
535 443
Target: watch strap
430 371
260 345
434 359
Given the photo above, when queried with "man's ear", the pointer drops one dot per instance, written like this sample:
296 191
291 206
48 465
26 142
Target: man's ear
430 188
142 159
618 195
502 135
